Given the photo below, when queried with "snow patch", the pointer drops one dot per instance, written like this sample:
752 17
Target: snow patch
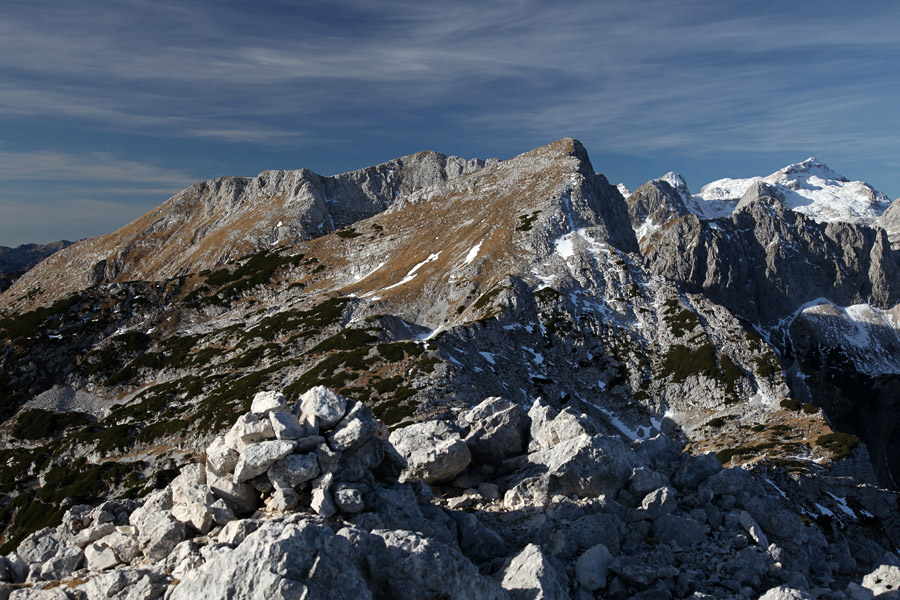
473 253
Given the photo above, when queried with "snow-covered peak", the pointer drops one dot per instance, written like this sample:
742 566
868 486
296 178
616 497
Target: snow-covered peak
809 187
623 190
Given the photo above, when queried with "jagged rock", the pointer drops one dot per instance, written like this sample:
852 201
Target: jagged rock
125 584
93 533
294 470
753 528
322 502
220 457
644 480
413 566
320 409
592 567
125 545
38 594
356 428
477 541
286 425
549 428
784 592
192 499
328 458
236 531
659 502
100 557
265 402
221 512
434 452
531 575
641 574
279 561
348 498
262 483
694 470
256 458
284 499
63 564
730 482
158 533
586 466
678 530
17 567
248 429
885 578
39 547
496 429
240 497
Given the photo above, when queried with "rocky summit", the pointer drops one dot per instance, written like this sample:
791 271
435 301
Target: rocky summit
450 378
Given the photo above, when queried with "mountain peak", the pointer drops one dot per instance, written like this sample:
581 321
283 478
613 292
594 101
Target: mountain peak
812 167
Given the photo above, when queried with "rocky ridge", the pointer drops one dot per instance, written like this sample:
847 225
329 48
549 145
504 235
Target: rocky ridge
306 500
521 280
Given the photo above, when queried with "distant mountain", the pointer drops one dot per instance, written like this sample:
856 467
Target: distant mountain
16 261
539 383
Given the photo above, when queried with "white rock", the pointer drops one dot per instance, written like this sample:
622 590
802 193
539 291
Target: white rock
265 402
320 408
592 567
659 502
434 452
286 425
257 458
784 592
220 457
356 428
99 557
63 564
294 470
92 534
124 545
234 532
248 429
241 497
158 533
533 573
885 578
283 500
321 502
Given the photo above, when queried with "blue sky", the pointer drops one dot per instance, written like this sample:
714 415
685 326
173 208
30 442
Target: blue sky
109 107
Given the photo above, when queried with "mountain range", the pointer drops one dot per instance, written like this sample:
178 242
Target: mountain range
621 335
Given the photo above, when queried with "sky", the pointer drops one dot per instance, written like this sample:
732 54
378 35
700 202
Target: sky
109 107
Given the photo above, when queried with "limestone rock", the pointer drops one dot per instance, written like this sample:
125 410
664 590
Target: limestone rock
433 451
497 429
659 502
158 533
294 470
885 578
258 457
320 408
220 457
240 497
678 530
100 557
63 564
531 575
248 429
784 592
286 425
348 498
279 561
265 402
356 428
592 567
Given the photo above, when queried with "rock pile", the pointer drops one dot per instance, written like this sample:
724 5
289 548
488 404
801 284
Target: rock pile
317 501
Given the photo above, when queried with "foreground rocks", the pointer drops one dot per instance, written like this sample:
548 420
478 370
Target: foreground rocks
316 500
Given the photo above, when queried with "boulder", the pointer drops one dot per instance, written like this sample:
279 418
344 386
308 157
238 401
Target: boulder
63 564
158 533
236 531
644 480
322 502
265 402
411 566
348 498
530 575
220 457
592 567
356 428
320 409
284 499
39 547
294 470
100 557
886 578
496 429
783 592
125 545
279 561
753 528
55 593
286 425
92 534
249 429
434 452
242 498
477 541
258 457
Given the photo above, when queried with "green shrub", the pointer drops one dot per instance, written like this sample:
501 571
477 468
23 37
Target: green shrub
839 444
809 408
790 404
